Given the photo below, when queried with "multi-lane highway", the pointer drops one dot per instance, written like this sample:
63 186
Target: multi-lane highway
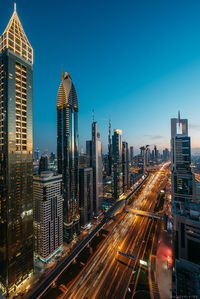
107 273
52 277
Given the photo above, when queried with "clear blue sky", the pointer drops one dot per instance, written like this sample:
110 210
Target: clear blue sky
136 62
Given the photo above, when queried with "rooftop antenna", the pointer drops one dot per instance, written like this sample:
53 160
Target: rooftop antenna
15 8
93 115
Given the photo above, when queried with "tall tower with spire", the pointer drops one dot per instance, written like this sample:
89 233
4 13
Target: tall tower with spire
16 149
67 152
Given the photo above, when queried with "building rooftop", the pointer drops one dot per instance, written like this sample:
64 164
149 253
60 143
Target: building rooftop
190 210
47 176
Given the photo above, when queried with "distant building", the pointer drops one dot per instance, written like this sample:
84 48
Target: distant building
82 160
43 164
48 215
36 155
147 155
67 154
85 194
166 154
155 154
125 166
117 163
131 155
94 160
52 157
109 158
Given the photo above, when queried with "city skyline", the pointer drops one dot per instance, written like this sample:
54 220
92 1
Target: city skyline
156 69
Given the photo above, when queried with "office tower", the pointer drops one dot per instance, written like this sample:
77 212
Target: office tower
152 155
52 157
186 212
125 166
155 154
85 194
47 214
182 177
165 154
131 155
147 155
117 163
82 160
67 154
141 159
109 168
89 153
94 160
16 156
43 164
36 155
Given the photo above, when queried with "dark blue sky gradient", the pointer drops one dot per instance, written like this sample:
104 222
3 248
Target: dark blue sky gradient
136 62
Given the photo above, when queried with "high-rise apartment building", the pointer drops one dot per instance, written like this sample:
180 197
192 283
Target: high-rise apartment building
85 194
47 215
94 160
16 155
117 163
67 154
125 166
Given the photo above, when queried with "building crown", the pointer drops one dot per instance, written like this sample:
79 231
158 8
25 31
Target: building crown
14 38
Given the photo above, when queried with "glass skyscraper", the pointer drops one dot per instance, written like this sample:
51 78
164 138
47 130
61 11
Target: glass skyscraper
94 160
117 163
67 152
16 147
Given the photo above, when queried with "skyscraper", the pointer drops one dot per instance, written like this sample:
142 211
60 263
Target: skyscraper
67 154
182 177
109 171
117 163
94 160
86 194
16 155
131 155
48 214
125 166
43 164
186 211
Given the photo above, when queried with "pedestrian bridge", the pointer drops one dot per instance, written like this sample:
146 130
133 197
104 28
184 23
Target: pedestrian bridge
145 213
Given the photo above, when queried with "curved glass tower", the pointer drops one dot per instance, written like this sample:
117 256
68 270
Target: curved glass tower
67 153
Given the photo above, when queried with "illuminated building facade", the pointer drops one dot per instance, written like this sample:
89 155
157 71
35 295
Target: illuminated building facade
67 154
47 214
16 156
